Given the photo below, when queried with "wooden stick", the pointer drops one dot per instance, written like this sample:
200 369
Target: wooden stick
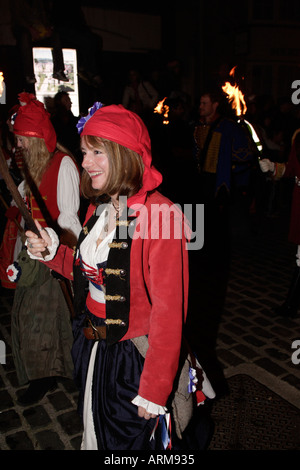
18 199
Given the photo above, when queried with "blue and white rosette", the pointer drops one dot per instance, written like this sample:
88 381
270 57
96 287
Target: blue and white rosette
82 121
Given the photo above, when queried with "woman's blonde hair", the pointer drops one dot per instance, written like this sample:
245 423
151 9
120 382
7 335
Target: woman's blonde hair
37 158
126 170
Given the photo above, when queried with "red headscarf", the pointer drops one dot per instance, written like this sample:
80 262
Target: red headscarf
33 120
126 128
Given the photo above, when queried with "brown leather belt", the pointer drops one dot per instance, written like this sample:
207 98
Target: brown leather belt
95 332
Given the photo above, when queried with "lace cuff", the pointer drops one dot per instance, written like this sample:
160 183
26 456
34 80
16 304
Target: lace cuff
149 406
52 249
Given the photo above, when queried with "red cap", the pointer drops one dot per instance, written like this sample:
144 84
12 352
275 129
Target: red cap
33 120
126 128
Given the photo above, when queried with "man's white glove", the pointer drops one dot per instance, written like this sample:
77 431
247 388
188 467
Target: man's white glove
266 165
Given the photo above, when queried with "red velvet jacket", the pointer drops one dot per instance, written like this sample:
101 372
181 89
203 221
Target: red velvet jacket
158 291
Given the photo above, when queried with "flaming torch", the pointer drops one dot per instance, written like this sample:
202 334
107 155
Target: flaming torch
235 96
163 109
238 103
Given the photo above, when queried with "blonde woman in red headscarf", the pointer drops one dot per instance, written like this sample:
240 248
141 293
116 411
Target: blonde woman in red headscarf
130 272
41 327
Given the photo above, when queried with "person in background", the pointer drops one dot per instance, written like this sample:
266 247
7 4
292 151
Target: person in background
291 169
40 318
139 96
224 156
64 123
130 287
172 146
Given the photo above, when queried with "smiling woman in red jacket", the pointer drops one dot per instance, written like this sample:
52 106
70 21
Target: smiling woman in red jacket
130 272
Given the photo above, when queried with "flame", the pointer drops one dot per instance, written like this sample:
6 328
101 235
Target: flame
162 108
232 71
1 83
235 96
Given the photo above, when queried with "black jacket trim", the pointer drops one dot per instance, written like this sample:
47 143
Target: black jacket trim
117 286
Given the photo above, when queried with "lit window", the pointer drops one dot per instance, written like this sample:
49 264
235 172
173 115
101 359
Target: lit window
46 86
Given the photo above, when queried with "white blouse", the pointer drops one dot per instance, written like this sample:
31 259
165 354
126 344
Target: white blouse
68 197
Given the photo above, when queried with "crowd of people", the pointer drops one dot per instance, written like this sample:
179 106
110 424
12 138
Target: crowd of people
90 299
127 347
